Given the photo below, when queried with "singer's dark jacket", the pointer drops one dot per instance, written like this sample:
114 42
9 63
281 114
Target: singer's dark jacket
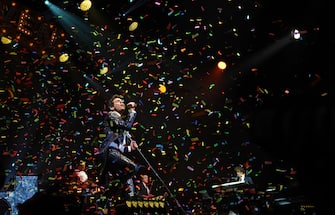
116 144
117 129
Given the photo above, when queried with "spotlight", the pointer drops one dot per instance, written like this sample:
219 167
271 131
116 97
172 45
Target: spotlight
222 65
295 34
133 26
162 88
5 40
85 5
63 58
103 70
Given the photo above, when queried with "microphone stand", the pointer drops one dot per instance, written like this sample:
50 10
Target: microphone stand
161 180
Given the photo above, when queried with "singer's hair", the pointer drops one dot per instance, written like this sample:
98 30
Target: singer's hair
111 100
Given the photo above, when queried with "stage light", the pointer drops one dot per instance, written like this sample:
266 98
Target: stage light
162 88
103 70
85 5
133 26
63 58
296 34
5 40
222 65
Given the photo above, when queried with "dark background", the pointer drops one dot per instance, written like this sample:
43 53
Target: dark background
271 110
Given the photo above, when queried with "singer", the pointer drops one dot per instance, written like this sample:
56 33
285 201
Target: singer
114 150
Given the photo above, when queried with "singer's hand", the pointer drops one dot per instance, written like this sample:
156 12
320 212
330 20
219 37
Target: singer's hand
131 105
133 145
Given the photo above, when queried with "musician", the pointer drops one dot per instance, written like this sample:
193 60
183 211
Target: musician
144 188
237 201
116 148
242 176
80 173
232 197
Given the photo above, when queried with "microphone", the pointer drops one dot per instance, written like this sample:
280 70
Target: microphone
131 105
